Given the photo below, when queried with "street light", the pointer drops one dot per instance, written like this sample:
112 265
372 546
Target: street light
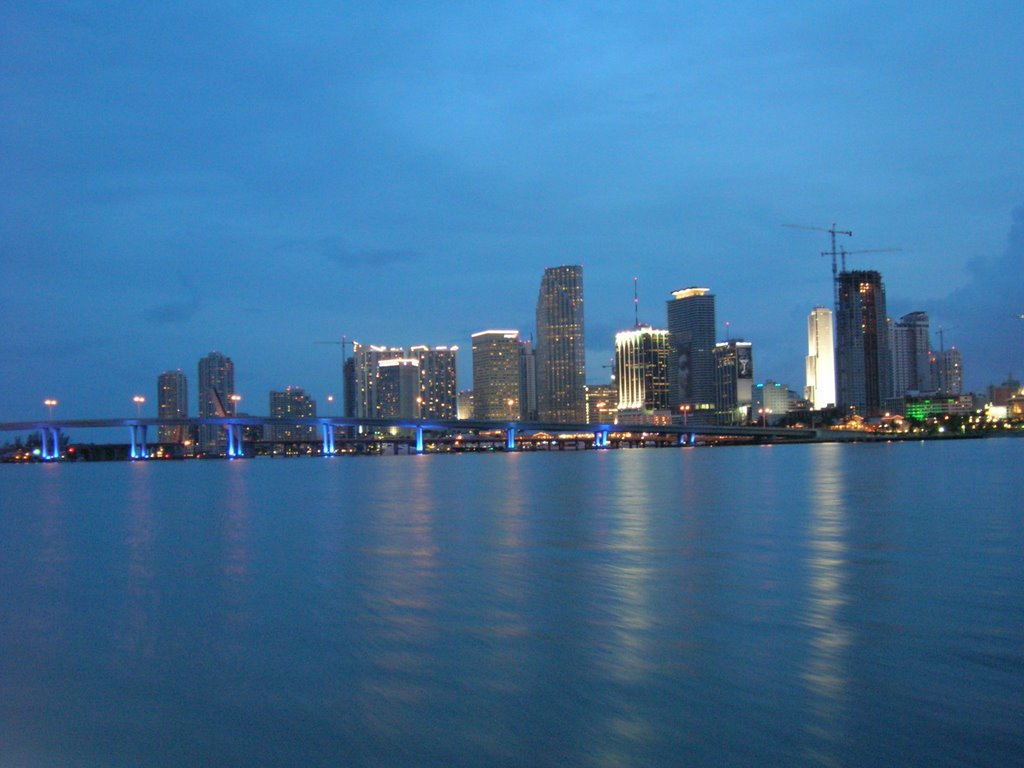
686 412
511 414
764 416
330 404
50 403
235 400
138 400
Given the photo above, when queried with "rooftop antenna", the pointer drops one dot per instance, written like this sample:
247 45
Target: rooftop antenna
636 304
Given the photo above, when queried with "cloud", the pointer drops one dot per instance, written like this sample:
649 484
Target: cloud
178 310
334 249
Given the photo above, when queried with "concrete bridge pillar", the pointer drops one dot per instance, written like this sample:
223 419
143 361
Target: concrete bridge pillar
235 447
510 439
601 438
327 430
49 443
419 439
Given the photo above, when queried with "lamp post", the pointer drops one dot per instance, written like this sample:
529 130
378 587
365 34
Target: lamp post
50 403
138 400
685 408
330 404
764 416
511 414
235 400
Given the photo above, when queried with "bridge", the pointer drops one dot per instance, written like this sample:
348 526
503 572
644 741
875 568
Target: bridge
50 430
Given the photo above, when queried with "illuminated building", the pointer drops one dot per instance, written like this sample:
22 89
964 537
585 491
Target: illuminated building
863 360
527 381
216 385
691 344
734 380
466 404
496 375
911 366
438 384
398 388
641 376
172 403
602 403
771 401
949 371
821 368
561 354
291 402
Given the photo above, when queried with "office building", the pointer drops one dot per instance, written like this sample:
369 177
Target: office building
527 381
561 354
949 372
770 402
216 385
691 342
439 389
291 402
734 381
172 403
820 390
641 376
496 375
911 355
398 388
602 403
863 359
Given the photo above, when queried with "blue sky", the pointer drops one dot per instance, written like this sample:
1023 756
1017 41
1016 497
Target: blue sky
256 177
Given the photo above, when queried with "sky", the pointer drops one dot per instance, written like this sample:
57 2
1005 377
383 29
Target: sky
255 178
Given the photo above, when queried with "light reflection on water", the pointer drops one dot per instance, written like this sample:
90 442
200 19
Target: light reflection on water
656 607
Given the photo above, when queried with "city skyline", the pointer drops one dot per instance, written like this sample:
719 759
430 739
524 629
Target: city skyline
407 174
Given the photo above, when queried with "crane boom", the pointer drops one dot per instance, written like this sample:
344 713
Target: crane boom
832 232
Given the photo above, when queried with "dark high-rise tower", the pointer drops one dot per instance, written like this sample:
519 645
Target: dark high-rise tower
172 403
561 358
911 363
863 360
691 339
216 385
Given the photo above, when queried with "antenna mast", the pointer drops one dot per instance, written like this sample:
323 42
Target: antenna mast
636 305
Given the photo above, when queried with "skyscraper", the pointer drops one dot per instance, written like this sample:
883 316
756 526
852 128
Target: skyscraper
496 375
911 352
291 401
172 403
641 375
691 339
216 385
949 371
561 354
438 384
863 360
527 381
734 380
821 367
398 388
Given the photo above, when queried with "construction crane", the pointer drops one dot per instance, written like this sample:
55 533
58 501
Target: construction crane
834 252
843 253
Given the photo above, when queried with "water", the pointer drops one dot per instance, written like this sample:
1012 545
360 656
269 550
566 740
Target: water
789 605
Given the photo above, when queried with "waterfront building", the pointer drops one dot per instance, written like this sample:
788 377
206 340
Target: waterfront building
771 401
216 385
691 340
465 404
561 354
496 375
602 403
949 371
911 355
398 388
527 381
641 376
172 403
290 402
863 360
438 382
820 390
734 379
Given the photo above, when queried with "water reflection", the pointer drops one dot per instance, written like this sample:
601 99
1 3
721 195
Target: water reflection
824 674
140 633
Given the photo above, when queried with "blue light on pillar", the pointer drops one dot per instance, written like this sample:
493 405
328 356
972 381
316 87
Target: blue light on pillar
419 439
232 453
134 451
142 440
323 433
510 439
601 438
330 432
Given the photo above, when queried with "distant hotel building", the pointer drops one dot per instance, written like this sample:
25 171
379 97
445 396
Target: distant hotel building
290 402
216 385
172 403
734 381
496 372
863 360
641 376
439 391
561 354
911 353
821 369
691 340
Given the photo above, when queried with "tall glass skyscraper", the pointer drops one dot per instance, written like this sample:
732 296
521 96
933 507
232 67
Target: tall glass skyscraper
216 385
496 389
641 375
863 360
691 339
820 389
561 354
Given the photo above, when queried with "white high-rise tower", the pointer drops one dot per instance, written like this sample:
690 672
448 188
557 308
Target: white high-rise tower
821 366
